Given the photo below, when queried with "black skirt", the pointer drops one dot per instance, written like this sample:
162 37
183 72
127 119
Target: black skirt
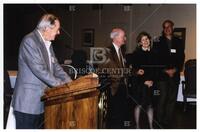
141 94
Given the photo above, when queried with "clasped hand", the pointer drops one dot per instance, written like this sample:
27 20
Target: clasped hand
149 83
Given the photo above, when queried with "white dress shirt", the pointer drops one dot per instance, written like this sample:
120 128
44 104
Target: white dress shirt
47 45
119 54
117 50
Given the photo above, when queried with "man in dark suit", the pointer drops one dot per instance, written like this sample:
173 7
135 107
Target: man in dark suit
117 105
170 51
38 69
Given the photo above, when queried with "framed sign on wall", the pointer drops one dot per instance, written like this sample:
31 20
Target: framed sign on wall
180 33
88 38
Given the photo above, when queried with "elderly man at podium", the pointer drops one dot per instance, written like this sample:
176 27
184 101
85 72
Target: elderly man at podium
38 69
117 102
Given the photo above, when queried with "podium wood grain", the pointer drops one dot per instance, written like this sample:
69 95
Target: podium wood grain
72 106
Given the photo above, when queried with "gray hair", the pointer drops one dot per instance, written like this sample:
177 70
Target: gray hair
113 34
47 20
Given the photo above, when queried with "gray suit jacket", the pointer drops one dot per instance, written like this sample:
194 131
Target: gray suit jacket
35 74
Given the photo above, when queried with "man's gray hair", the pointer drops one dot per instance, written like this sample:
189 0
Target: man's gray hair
47 20
113 34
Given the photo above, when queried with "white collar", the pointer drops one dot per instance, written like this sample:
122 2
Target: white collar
146 49
47 43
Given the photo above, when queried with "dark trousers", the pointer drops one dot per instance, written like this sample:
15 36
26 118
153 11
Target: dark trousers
118 114
29 121
7 101
8 91
168 95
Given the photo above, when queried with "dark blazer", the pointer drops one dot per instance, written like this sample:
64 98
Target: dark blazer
146 60
170 57
114 69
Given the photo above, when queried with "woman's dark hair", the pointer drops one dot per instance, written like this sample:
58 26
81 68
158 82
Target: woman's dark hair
139 37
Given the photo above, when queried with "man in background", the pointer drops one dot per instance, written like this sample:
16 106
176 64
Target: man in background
38 69
117 102
170 50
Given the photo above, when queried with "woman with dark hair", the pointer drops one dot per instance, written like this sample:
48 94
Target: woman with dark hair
143 64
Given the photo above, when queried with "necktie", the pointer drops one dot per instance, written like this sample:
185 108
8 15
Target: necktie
123 66
121 57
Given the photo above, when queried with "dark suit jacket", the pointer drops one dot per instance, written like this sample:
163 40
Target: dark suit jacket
170 57
114 70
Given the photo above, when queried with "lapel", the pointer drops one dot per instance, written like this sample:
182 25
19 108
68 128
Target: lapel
114 55
52 57
43 48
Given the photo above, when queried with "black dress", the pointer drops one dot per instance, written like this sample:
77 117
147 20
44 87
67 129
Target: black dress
146 60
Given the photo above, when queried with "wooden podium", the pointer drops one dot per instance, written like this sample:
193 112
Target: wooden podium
74 105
